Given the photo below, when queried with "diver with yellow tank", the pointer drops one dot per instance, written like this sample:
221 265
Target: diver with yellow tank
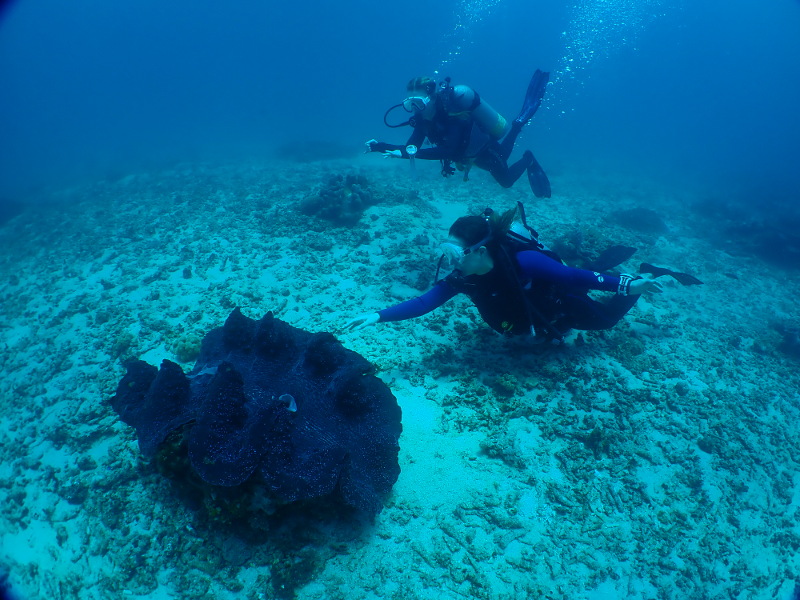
466 131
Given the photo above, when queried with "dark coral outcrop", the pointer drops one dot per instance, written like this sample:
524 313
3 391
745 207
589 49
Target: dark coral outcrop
266 400
342 200
641 219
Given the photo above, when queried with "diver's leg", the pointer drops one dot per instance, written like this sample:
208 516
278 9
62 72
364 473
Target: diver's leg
587 314
538 180
490 159
516 170
507 145
618 307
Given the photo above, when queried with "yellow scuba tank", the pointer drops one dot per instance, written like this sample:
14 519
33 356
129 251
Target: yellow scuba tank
491 121
464 100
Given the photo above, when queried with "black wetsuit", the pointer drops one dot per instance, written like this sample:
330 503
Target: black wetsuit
457 138
494 158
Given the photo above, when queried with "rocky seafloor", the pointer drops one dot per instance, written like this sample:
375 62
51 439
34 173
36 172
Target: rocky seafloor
655 460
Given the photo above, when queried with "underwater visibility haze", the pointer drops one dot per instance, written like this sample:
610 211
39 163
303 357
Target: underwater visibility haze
705 89
188 222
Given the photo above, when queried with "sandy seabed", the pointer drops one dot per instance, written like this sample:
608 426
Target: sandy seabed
655 460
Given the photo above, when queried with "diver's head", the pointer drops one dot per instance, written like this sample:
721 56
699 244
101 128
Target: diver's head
419 102
477 261
424 86
481 238
421 92
468 251
477 242
467 260
471 230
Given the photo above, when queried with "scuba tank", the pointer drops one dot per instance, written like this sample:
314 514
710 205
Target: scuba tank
462 99
489 120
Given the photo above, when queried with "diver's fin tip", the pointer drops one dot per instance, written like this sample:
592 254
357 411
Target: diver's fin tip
538 180
533 96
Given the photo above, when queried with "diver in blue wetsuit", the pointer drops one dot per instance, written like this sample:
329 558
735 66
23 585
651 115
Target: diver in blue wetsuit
518 286
464 130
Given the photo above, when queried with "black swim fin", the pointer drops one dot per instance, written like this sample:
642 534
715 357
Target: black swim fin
534 95
682 278
610 258
540 184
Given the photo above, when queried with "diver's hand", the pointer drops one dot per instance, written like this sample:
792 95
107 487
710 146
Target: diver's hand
362 321
376 146
646 285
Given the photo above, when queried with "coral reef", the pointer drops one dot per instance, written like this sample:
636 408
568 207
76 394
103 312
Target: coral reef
767 228
641 219
341 200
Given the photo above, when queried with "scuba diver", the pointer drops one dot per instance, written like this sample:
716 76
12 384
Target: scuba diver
519 286
465 130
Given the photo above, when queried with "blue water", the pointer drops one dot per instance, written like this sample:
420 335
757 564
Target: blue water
692 93
694 100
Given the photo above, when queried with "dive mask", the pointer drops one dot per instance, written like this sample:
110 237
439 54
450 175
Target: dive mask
416 103
453 255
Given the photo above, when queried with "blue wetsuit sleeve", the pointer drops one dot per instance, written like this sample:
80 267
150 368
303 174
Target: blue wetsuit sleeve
421 305
540 267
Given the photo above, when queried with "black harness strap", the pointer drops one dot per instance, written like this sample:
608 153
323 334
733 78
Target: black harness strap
529 307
